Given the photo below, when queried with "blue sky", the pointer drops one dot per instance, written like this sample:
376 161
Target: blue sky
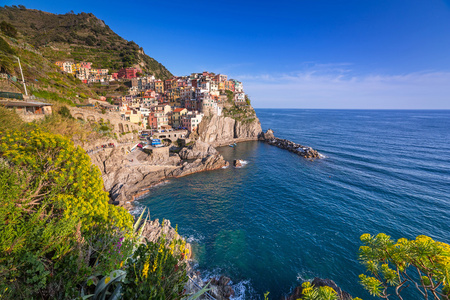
382 54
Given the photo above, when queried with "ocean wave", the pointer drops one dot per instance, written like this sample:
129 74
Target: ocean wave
197 238
225 167
162 183
242 290
137 209
243 163
322 156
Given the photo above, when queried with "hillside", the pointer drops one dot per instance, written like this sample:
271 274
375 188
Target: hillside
41 38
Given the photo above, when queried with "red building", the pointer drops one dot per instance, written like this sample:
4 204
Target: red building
128 73
86 65
152 120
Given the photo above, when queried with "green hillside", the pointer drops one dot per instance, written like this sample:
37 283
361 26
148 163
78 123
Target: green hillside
41 38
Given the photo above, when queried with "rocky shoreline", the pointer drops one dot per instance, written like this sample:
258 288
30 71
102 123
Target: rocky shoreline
220 288
130 176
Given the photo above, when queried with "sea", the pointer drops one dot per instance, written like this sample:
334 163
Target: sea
281 219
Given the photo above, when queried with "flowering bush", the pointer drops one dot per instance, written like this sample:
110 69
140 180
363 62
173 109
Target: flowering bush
155 271
57 226
422 263
59 172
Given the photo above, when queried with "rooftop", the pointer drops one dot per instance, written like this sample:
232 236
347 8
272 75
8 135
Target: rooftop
23 103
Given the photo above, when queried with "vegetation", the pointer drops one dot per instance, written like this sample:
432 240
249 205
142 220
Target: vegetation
60 237
57 224
81 37
52 96
4 47
230 96
318 293
8 29
244 114
158 272
422 263
40 39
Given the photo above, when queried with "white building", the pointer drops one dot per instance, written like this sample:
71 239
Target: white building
191 120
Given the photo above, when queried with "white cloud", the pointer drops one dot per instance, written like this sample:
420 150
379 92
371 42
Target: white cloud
340 89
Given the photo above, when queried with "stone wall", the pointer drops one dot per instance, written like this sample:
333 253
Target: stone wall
114 119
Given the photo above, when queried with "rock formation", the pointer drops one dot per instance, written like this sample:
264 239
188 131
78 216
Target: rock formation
304 151
318 282
127 180
219 289
237 163
209 163
153 231
198 150
220 130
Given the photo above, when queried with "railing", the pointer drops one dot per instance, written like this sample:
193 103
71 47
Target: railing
18 96
207 295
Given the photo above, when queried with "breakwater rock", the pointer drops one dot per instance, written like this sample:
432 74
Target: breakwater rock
304 151
318 282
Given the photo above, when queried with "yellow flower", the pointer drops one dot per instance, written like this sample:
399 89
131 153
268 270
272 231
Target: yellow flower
145 270
155 264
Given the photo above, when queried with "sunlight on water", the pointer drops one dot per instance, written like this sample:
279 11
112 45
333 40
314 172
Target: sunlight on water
281 219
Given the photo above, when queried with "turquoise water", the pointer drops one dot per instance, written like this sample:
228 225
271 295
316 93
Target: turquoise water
282 219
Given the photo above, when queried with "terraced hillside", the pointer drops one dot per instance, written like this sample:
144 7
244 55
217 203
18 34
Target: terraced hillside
41 38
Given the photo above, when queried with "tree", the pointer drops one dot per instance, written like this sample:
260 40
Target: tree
8 29
422 263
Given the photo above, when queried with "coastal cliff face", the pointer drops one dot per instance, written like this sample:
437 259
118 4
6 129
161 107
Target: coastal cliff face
221 130
129 175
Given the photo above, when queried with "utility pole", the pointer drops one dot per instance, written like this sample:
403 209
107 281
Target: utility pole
23 80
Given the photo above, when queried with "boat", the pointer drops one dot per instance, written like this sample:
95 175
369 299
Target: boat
231 145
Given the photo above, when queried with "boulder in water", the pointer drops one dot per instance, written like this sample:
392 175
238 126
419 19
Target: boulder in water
237 163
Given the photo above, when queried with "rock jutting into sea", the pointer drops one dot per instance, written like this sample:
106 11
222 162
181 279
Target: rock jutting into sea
221 131
237 163
129 175
304 151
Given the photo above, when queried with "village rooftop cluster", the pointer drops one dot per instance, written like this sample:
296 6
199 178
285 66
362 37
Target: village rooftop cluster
179 102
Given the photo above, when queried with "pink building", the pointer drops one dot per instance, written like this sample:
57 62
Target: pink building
128 73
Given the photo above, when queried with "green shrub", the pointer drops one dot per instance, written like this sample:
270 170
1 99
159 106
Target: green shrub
65 112
393 263
155 271
8 29
57 226
4 47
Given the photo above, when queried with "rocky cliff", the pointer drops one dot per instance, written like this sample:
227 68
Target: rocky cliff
222 130
129 175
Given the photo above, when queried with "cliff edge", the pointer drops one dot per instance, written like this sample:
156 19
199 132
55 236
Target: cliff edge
233 126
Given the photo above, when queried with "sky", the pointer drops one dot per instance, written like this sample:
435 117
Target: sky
337 54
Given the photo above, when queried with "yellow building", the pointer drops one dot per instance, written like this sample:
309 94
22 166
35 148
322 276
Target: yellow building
159 86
